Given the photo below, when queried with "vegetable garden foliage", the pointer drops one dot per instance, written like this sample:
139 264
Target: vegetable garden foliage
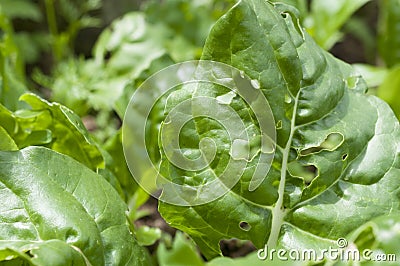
324 120
56 210
63 193
127 52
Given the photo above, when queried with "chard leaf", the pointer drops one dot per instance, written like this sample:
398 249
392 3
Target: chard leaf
380 236
147 236
327 126
116 164
52 125
133 44
182 252
300 5
58 212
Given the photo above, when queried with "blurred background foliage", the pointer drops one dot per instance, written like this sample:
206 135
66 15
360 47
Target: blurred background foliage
90 55
83 54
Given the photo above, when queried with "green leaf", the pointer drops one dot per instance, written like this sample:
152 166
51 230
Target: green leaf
23 9
52 125
76 87
300 5
182 253
377 241
185 23
118 173
132 43
68 132
147 236
59 212
324 122
31 45
122 103
389 31
117 164
11 67
6 142
11 88
381 236
250 259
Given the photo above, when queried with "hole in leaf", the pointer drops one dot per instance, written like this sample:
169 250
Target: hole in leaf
245 226
331 143
107 55
236 248
312 172
279 124
72 236
344 157
284 15
366 238
352 82
29 253
306 172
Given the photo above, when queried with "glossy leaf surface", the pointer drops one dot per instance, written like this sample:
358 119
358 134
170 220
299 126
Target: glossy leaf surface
348 142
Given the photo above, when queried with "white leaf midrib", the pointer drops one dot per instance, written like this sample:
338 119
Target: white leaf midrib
278 212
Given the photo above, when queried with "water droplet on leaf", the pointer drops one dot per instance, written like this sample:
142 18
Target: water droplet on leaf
288 99
255 83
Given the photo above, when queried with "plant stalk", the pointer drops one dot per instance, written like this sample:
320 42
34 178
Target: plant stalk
279 212
53 29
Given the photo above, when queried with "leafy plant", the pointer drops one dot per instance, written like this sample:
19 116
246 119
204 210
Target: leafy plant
126 53
76 15
23 10
54 126
326 122
61 213
70 198
11 65
182 252
69 213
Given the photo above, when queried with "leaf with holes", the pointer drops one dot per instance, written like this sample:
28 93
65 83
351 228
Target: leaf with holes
336 164
55 211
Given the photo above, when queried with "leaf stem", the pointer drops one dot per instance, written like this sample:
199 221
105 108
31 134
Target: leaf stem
279 211
52 23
